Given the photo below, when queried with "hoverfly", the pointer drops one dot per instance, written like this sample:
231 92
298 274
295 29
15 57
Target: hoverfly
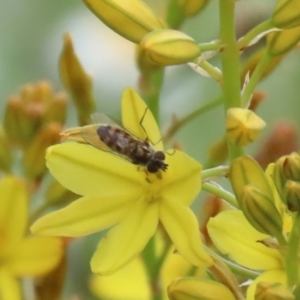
105 134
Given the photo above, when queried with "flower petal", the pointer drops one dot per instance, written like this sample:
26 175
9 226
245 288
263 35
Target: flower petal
127 239
88 171
182 227
105 286
84 216
233 235
272 276
182 180
138 119
35 256
13 208
9 286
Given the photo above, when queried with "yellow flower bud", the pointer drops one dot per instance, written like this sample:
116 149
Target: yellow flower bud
291 166
292 195
191 288
243 126
78 83
279 178
270 290
57 110
260 211
280 42
286 14
192 7
169 47
17 123
132 19
28 112
34 155
255 196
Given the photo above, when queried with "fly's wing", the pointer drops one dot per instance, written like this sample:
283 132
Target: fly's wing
103 119
90 135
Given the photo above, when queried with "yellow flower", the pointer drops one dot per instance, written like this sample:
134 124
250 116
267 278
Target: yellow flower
19 255
118 193
235 237
174 266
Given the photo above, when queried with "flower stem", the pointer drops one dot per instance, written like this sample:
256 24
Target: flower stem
235 268
212 46
150 85
219 192
211 70
216 172
253 33
291 258
255 77
230 64
177 124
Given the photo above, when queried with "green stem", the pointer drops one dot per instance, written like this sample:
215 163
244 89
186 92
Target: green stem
236 269
177 124
212 46
255 77
230 64
291 257
253 33
153 264
175 15
219 192
213 173
150 85
211 70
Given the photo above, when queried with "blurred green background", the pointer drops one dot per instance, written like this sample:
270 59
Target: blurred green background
31 40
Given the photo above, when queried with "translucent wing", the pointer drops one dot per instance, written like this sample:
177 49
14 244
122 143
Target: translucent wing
90 135
103 119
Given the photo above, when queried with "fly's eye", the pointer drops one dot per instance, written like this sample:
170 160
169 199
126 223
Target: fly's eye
159 155
152 168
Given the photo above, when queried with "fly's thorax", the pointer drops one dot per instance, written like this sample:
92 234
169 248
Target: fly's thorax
115 138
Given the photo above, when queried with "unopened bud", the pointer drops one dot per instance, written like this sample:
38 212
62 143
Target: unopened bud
280 42
34 155
260 211
279 178
132 19
255 196
292 195
17 124
57 110
243 126
191 288
286 14
167 47
32 109
78 83
291 166
272 291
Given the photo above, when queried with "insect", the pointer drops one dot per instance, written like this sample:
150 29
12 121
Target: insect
107 135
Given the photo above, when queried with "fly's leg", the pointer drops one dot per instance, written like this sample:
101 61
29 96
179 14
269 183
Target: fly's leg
147 140
143 169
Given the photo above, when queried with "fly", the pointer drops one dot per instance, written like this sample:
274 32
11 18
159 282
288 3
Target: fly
107 135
